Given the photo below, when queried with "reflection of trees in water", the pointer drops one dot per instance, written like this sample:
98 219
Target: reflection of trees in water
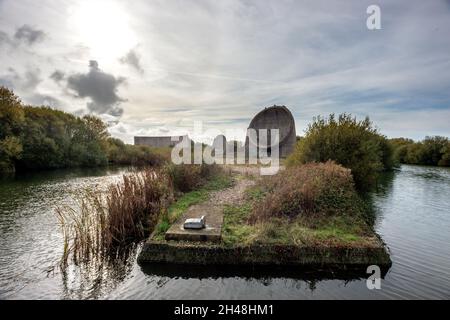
385 182
383 189
91 279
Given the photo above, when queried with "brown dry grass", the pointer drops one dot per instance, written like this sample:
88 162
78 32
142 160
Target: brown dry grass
106 221
307 190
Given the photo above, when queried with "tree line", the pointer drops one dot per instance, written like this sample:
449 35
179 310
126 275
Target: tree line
433 151
357 145
45 138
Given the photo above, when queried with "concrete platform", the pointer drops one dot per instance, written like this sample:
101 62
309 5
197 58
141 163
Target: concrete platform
214 221
315 256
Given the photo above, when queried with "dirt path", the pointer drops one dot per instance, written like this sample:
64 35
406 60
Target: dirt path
234 195
212 209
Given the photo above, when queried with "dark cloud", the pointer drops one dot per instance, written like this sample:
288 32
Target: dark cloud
4 39
57 76
133 60
26 84
100 87
29 35
31 79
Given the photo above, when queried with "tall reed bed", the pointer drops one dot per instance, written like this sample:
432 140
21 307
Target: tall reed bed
106 221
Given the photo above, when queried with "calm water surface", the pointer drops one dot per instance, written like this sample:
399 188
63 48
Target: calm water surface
412 208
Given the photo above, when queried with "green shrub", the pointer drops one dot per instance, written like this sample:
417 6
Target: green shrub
354 144
434 151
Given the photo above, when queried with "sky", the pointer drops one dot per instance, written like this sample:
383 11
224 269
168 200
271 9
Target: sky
158 67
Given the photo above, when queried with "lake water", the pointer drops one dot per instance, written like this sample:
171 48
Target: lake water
412 208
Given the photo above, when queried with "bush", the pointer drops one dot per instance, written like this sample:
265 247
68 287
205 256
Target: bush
189 177
308 190
354 144
126 154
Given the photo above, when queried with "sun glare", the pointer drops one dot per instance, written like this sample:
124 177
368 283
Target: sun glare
103 26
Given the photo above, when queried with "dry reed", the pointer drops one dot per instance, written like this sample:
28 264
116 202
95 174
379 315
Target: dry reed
105 222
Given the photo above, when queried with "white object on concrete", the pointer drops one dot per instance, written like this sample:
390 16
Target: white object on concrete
195 223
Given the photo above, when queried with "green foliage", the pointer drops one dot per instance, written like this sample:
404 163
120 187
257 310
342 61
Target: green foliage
11 121
235 229
11 113
354 144
433 151
445 159
125 154
10 150
45 138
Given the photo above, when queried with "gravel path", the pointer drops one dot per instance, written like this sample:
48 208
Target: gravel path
234 195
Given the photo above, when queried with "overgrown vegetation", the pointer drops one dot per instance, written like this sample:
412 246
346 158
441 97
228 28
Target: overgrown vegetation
219 181
307 204
336 231
434 151
45 138
130 209
106 221
190 177
308 190
356 145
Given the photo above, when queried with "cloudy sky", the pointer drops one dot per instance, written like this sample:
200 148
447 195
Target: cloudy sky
155 67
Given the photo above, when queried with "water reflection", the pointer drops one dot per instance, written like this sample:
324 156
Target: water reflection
263 274
94 278
410 210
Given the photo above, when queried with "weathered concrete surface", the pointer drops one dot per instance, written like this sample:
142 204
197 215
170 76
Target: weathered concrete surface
275 117
214 221
158 142
259 254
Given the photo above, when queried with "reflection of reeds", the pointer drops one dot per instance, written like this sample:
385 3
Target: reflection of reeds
105 222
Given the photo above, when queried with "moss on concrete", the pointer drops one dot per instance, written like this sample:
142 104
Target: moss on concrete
267 254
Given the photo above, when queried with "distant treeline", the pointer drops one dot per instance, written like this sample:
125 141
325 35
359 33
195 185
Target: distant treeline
358 145
45 138
434 151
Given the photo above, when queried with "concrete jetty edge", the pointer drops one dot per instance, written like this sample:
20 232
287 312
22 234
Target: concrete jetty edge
175 252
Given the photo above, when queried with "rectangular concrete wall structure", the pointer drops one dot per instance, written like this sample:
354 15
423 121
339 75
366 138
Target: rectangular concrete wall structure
158 142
